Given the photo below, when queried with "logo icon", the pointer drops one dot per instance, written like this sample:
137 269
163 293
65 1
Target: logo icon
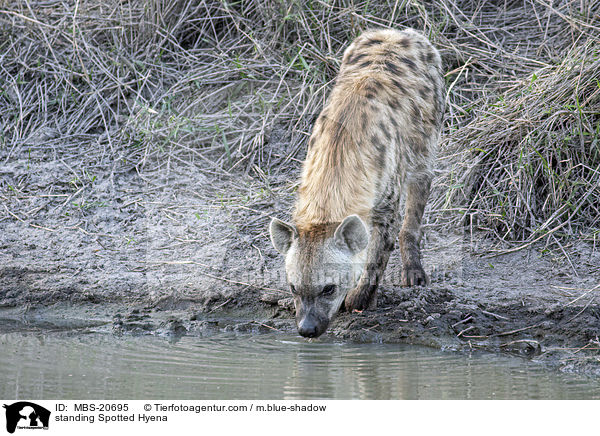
26 415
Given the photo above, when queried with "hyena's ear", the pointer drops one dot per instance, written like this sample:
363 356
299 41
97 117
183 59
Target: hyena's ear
352 234
281 235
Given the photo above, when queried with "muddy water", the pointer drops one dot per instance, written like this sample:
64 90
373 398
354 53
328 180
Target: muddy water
102 366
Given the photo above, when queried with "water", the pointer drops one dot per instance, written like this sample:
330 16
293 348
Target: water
69 365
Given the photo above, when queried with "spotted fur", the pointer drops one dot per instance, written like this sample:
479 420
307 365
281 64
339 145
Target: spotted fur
375 139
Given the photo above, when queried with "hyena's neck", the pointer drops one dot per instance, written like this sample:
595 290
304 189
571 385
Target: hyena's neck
333 202
340 173
331 205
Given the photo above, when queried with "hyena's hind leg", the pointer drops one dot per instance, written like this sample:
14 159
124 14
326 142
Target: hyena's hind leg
417 192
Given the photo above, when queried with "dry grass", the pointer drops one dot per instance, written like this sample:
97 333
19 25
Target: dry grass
531 165
233 86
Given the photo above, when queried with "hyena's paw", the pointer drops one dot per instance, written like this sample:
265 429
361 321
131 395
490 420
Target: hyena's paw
359 301
414 276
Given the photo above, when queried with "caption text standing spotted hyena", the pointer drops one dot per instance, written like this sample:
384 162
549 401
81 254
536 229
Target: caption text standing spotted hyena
375 139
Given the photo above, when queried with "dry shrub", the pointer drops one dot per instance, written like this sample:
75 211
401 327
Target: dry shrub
233 86
532 161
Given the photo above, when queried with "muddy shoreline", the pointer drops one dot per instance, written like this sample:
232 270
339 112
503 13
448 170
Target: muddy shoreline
551 331
559 337
181 252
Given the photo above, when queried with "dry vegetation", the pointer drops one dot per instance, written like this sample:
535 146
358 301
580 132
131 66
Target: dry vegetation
233 87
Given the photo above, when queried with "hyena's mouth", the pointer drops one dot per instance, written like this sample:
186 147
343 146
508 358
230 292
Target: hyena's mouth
309 327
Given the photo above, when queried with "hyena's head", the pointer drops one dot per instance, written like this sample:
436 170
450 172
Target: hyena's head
323 263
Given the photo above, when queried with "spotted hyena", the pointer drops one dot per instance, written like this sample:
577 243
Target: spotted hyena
375 139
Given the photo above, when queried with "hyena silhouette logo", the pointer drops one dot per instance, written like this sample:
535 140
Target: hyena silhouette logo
27 415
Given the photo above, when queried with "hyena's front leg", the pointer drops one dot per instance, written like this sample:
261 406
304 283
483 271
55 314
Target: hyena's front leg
381 244
417 192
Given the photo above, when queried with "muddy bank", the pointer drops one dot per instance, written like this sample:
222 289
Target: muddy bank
184 252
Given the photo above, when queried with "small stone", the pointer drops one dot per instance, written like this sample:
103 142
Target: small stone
286 303
270 297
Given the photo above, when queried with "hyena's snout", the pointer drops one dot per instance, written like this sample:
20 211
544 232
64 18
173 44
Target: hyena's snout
311 323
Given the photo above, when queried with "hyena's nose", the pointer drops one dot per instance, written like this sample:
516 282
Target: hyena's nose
307 328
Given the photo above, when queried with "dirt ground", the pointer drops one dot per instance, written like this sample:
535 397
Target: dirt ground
178 250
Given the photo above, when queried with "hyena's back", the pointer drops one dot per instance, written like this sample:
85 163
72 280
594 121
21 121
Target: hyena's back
381 124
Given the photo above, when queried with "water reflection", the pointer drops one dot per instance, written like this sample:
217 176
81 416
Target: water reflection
74 366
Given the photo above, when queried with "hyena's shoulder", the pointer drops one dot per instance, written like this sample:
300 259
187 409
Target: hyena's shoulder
392 66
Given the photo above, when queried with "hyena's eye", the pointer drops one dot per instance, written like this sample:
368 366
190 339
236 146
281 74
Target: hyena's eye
328 290
292 289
